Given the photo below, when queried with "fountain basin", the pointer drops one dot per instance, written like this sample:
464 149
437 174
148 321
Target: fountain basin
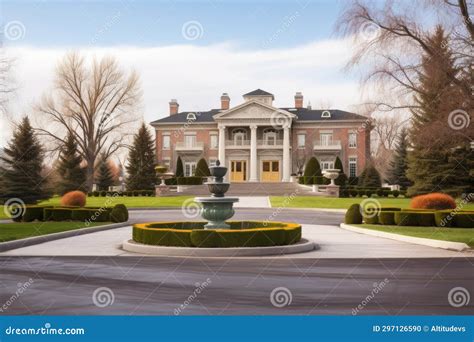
240 234
217 210
218 189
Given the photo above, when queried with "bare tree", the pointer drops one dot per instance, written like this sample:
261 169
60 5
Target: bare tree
6 84
95 102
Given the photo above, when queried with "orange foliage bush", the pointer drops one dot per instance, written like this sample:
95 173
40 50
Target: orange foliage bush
436 201
74 198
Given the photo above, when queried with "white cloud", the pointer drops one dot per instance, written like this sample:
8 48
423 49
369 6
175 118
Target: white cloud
197 75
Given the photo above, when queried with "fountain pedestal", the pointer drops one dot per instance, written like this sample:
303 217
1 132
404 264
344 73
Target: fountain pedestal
332 189
217 208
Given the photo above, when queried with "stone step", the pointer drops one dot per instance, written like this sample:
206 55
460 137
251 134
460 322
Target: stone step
255 189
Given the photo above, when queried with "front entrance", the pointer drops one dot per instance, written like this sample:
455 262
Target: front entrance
270 171
238 171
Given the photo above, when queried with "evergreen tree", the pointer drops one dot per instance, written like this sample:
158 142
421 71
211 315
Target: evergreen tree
105 178
370 177
202 170
459 171
22 164
179 168
341 180
141 162
312 168
428 161
73 176
399 164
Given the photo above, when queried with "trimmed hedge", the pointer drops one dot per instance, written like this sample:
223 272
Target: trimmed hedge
34 212
386 217
310 180
58 214
121 193
241 234
353 215
91 214
195 180
464 220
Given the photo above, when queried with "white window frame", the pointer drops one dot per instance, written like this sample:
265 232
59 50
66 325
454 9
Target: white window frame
352 143
239 135
191 117
326 114
328 139
189 168
214 137
326 165
163 145
353 161
298 136
192 142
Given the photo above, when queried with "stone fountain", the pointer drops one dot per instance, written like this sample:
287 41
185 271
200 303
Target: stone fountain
162 188
332 189
217 208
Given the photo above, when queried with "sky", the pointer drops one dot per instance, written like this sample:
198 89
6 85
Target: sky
189 50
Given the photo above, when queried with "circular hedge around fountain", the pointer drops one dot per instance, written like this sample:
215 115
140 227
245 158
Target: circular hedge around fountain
240 234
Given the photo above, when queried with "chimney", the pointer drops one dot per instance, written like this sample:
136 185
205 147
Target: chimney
225 101
174 106
298 100
309 105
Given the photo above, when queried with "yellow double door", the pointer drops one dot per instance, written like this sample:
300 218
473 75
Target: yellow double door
270 171
238 171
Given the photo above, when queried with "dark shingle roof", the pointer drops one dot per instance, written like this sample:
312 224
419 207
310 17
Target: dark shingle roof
259 92
303 114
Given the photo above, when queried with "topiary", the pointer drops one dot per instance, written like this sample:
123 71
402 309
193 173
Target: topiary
353 215
74 199
312 168
436 201
119 213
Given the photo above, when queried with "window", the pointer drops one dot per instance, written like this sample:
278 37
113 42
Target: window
166 142
352 167
325 165
189 169
191 117
270 137
239 136
190 140
326 139
326 114
214 141
301 140
352 140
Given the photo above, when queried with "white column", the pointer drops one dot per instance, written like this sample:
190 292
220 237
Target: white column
286 153
253 154
222 145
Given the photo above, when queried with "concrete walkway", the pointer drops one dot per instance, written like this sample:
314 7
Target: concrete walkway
253 202
334 242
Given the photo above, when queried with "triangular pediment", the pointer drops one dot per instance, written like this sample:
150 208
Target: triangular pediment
253 110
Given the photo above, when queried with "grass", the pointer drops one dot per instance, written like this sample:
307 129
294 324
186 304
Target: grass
340 203
465 235
22 230
130 202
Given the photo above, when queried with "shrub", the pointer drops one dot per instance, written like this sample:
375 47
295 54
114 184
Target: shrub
411 218
312 168
74 199
436 201
371 219
426 219
444 218
58 214
103 193
119 213
386 217
353 192
91 214
464 220
369 193
95 193
353 215
395 193
379 192
34 212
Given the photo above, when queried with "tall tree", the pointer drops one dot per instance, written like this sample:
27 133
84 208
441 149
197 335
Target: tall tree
427 162
202 169
179 168
312 168
341 180
22 165
105 178
141 161
73 176
370 177
95 103
399 163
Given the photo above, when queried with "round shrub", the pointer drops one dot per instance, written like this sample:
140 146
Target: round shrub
436 201
119 213
395 193
73 199
353 215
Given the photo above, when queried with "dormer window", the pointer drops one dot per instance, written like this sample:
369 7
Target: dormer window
326 114
191 117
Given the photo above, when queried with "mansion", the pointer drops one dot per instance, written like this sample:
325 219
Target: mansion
261 143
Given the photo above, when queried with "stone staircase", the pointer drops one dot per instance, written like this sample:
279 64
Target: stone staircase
255 189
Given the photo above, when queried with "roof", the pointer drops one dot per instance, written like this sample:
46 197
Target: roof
259 92
303 114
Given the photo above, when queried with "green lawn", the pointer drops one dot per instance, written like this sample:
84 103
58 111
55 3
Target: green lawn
340 203
21 230
131 202
465 235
